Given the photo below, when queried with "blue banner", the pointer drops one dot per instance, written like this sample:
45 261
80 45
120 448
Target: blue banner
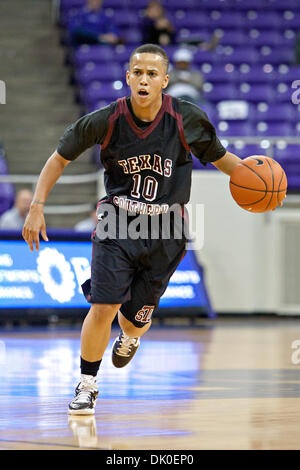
52 277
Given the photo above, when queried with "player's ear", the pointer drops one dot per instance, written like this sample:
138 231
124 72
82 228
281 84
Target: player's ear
127 77
166 81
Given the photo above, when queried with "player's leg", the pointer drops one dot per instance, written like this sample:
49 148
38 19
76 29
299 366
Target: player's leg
134 319
130 329
95 336
96 330
135 316
128 341
108 288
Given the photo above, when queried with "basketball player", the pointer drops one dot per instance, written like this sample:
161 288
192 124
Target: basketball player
146 142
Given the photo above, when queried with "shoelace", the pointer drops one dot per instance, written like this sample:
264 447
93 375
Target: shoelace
125 345
84 394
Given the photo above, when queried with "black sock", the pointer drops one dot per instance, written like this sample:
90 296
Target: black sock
89 368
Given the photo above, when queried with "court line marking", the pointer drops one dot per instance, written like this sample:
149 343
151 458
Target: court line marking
53 444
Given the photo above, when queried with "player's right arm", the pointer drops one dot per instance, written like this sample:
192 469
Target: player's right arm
79 136
35 220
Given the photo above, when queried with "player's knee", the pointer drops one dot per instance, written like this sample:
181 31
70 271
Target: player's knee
105 312
134 329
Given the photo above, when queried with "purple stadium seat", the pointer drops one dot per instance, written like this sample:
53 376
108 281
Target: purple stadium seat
215 93
287 74
3 164
274 129
224 20
122 53
276 55
68 4
234 38
7 192
185 35
296 130
202 57
237 55
282 5
248 5
257 74
283 93
293 181
131 36
101 72
125 17
219 73
137 4
115 4
216 4
255 93
178 5
97 91
96 105
246 150
235 128
274 112
189 19
210 110
7 197
91 53
261 20
265 38
288 152
290 20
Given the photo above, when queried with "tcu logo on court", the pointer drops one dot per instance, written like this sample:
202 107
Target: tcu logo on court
144 315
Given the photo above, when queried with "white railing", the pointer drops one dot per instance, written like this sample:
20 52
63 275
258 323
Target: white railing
96 177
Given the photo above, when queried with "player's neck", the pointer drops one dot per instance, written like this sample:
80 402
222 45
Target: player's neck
146 114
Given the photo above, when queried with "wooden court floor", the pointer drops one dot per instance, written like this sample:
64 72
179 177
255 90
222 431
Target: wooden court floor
224 384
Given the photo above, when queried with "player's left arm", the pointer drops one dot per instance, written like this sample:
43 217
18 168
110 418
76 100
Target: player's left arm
227 163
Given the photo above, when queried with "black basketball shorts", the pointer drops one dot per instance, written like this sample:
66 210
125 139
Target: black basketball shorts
132 272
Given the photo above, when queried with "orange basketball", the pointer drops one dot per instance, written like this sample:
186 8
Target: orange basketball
258 184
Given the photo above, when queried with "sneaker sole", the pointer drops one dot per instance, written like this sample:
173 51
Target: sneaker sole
81 412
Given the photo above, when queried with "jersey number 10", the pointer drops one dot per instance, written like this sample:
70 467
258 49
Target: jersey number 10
149 189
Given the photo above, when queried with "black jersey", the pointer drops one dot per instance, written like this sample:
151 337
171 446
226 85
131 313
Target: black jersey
147 166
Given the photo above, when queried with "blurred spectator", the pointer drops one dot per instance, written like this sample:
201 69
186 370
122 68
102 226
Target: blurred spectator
88 224
92 26
204 45
211 44
14 218
185 82
156 28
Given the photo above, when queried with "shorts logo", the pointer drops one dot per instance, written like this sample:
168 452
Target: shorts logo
144 315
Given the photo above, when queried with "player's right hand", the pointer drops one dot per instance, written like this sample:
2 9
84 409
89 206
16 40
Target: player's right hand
34 224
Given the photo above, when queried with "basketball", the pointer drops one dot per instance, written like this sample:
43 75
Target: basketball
258 184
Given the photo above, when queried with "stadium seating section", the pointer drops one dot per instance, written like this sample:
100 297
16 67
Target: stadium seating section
7 193
251 70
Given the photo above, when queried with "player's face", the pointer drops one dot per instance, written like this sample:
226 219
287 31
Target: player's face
147 78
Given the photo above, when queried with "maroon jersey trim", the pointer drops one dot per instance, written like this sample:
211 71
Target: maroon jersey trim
143 133
111 123
166 106
179 120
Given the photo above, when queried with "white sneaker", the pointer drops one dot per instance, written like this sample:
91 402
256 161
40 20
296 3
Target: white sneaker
85 397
